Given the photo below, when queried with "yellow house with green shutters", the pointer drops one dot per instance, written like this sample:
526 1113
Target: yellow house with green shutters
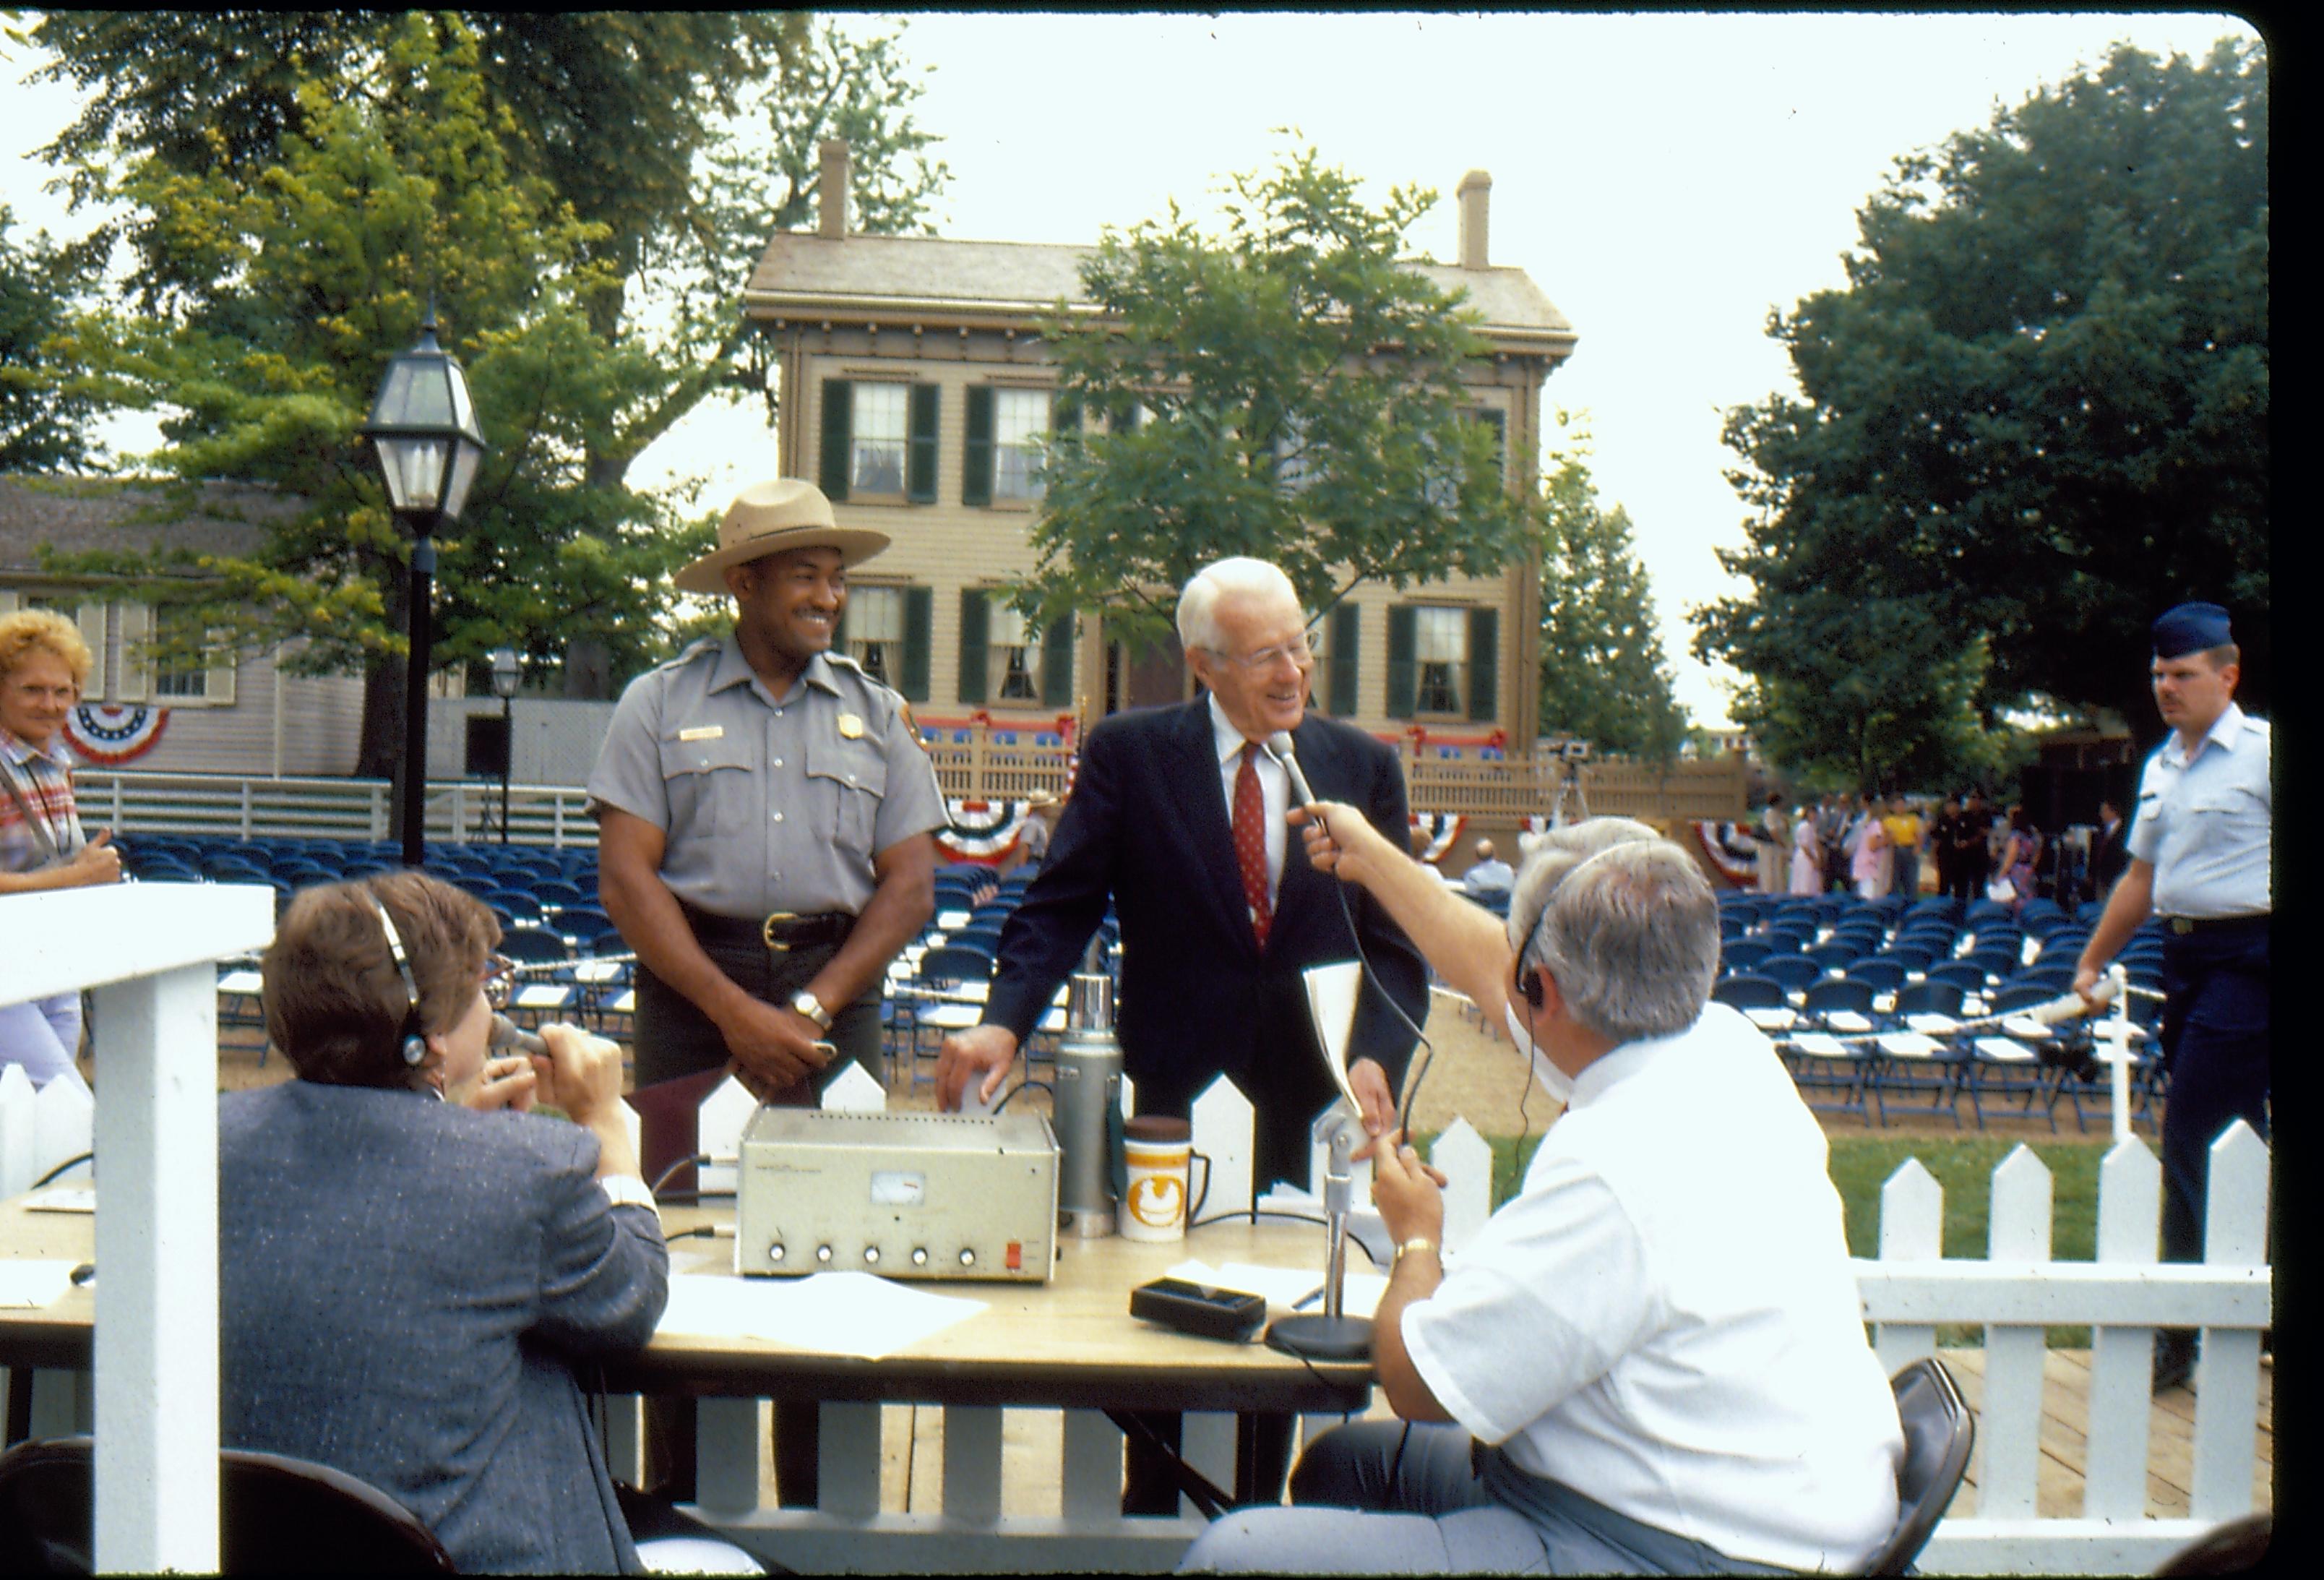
915 390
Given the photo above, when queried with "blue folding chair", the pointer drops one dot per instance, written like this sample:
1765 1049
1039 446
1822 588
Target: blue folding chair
1749 993
1743 954
1795 972
1828 1080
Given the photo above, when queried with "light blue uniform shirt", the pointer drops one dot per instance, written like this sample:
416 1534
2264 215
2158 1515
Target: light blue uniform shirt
2204 821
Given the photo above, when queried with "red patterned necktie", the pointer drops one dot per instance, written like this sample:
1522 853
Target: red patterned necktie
1250 844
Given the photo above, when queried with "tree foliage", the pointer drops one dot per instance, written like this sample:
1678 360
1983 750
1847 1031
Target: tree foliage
320 266
1604 677
1287 389
2036 417
45 407
567 185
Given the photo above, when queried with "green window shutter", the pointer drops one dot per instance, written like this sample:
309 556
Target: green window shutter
1484 662
1065 414
920 611
1058 664
1129 420
975 621
1347 622
920 482
838 434
1403 660
976 454
1499 421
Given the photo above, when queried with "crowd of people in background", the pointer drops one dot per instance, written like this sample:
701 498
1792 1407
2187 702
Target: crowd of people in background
1963 848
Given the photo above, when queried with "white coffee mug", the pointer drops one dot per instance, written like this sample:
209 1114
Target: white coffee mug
1158 1151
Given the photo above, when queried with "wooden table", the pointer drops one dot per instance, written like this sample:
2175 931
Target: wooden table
1070 1344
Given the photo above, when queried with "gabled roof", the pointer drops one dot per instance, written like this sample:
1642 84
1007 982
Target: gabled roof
908 279
75 515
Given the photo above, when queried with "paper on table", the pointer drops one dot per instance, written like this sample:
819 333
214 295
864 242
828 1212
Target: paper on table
1331 990
63 1199
1286 1286
848 1313
29 1285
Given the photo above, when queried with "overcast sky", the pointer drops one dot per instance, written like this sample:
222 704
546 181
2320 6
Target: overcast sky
1666 180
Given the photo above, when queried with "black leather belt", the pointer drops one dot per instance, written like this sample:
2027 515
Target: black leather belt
2181 926
780 932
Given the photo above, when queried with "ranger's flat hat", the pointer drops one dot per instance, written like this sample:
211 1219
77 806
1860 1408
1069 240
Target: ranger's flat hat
767 518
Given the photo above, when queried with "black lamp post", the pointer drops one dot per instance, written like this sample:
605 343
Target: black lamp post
424 429
507 670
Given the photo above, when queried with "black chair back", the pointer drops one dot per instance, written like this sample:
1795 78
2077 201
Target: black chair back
1749 992
1939 1432
277 1515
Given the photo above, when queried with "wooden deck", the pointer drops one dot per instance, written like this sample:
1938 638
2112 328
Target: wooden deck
912 1444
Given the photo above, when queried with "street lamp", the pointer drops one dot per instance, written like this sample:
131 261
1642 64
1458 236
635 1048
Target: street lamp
423 429
507 669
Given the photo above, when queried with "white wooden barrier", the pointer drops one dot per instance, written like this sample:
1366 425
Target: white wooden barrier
149 950
2124 1296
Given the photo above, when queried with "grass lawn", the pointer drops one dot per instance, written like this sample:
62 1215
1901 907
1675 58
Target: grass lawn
1963 1167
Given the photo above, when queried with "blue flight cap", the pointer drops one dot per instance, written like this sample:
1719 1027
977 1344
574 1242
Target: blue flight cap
2191 628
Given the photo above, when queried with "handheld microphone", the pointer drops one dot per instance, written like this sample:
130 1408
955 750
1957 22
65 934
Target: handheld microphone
1278 746
507 1034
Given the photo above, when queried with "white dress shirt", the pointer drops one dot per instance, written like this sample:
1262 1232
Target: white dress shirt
1664 1318
1274 789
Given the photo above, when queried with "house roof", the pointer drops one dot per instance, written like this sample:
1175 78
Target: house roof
75 515
899 278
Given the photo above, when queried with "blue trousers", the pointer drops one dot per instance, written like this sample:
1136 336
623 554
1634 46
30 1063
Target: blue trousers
1369 1500
2214 1044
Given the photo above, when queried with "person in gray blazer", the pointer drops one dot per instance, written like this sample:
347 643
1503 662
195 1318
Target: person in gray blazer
407 1286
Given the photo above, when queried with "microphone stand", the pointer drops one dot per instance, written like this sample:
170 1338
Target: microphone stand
1333 1336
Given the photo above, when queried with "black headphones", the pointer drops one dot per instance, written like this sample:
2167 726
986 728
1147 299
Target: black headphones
409 1040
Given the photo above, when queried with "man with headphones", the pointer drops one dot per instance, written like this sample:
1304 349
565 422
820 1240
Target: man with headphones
1650 1360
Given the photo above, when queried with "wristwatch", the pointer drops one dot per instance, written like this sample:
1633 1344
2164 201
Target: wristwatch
807 1004
1417 1242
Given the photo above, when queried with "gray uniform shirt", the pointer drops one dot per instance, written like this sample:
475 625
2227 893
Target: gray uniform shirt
769 803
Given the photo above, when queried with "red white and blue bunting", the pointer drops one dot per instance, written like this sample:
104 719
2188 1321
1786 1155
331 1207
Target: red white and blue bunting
984 832
1442 829
1729 852
106 736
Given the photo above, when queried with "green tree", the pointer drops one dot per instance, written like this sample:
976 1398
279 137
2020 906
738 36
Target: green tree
1287 389
2036 416
1604 677
652 130
45 408
319 265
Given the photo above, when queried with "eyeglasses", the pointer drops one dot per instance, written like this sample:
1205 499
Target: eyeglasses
1268 658
499 981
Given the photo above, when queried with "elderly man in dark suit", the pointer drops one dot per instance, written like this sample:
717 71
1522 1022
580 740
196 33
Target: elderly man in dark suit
406 1284
1178 818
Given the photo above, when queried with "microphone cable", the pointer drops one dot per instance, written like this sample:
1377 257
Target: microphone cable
1277 746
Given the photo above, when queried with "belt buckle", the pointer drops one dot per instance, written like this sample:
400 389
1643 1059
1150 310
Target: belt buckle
767 930
2182 925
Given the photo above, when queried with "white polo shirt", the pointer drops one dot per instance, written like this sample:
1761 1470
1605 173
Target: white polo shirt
1665 1319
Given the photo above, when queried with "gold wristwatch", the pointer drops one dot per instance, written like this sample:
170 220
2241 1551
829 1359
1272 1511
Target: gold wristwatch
807 1004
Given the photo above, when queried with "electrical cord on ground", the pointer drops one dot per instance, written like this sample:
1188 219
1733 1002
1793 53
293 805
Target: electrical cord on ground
1019 1086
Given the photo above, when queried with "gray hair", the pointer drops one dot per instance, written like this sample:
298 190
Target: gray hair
1633 943
1198 622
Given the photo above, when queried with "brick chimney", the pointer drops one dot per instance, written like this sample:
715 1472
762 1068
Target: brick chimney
1475 191
833 187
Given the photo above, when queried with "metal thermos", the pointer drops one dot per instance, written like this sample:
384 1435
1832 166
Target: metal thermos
1088 1097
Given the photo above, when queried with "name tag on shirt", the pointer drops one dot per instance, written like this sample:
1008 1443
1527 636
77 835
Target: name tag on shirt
703 733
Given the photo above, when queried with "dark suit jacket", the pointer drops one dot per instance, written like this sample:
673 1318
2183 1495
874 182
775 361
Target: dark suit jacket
1147 827
2109 856
404 1289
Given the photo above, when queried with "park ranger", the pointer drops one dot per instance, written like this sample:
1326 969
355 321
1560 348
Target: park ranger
763 843
764 817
